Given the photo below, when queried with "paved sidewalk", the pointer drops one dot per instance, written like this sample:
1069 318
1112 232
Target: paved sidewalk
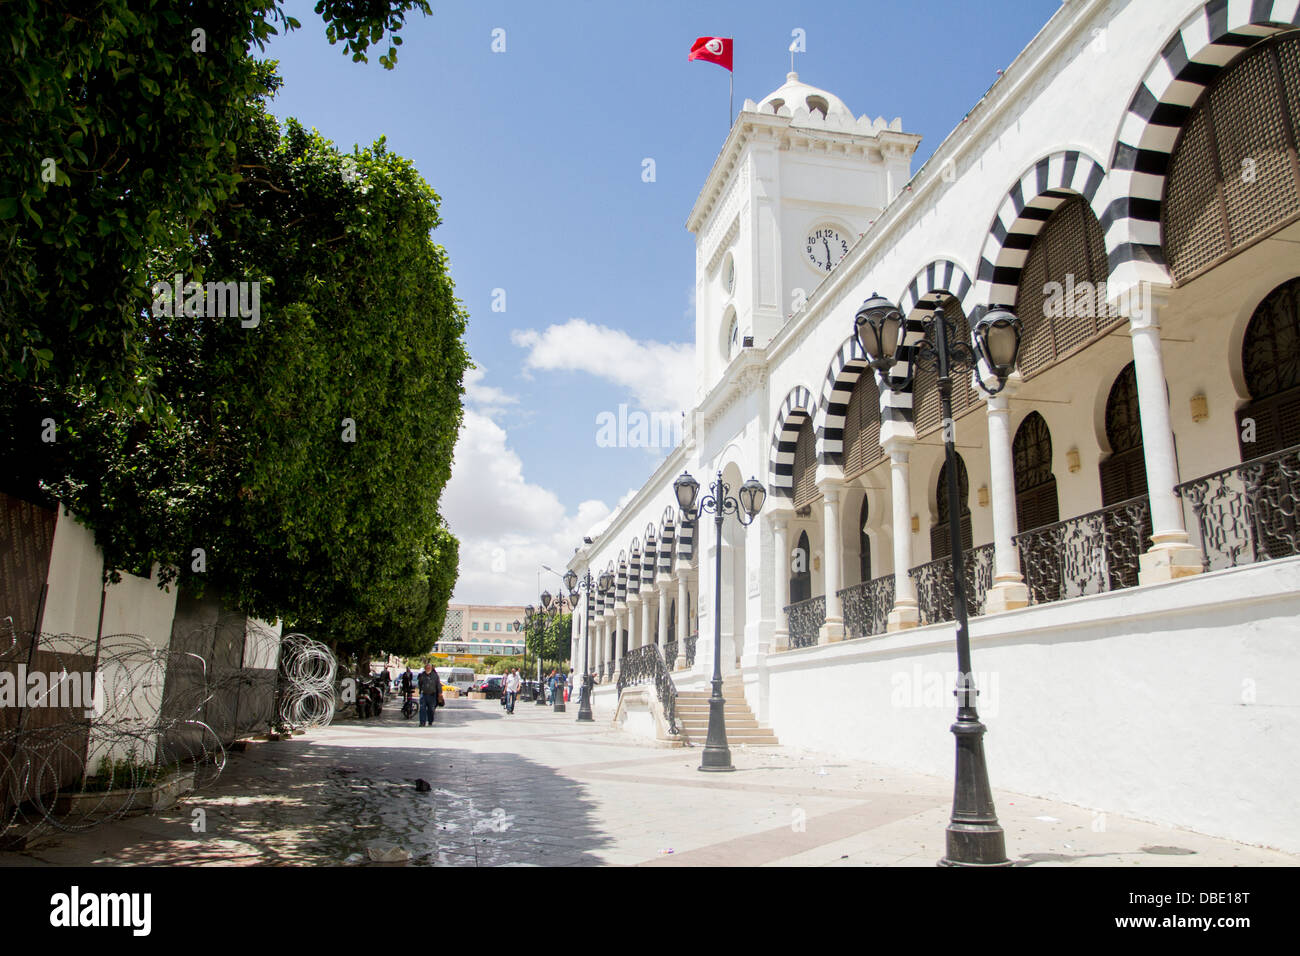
537 788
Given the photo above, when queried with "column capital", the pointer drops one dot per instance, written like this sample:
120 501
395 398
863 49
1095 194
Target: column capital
1141 305
898 447
1001 402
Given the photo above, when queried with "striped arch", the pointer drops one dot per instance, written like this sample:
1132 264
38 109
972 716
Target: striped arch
1027 207
634 568
686 541
795 410
1207 42
845 369
667 534
649 557
607 602
620 579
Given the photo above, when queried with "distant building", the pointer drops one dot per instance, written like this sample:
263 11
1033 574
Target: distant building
482 629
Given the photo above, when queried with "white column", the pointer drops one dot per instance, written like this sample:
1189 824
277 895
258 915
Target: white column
647 628
633 619
781 563
1171 555
620 625
662 637
832 548
683 625
1008 589
904 614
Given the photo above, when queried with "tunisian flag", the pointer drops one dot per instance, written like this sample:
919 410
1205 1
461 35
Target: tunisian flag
713 49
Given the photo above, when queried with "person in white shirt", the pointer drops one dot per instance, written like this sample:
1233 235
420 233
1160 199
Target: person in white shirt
513 683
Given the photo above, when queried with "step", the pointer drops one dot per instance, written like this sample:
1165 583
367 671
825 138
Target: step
733 723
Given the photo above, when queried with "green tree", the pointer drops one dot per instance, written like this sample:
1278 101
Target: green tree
123 120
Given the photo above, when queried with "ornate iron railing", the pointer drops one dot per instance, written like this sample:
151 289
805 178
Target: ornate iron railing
690 649
934 585
670 653
805 621
867 606
1090 554
1248 512
645 665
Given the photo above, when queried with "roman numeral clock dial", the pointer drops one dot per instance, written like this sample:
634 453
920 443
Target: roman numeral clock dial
825 247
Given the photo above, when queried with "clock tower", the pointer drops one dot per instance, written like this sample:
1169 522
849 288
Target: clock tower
798 181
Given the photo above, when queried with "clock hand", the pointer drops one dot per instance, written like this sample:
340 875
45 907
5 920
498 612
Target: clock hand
828 253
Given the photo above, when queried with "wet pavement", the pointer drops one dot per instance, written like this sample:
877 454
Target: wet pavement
537 788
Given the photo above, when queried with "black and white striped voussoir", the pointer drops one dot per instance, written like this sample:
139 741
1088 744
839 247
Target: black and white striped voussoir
795 410
1021 217
846 367
686 540
1208 41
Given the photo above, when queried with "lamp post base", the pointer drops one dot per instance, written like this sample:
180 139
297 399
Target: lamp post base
584 705
974 837
717 755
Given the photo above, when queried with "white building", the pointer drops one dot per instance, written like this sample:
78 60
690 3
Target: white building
1130 188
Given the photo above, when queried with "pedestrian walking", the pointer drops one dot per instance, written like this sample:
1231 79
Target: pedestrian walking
513 683
430 695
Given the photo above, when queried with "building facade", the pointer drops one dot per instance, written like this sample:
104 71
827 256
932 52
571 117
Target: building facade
1128 504
481 630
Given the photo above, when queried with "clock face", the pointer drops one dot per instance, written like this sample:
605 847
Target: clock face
825 247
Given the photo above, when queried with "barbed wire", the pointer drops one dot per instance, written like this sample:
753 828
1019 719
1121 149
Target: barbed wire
91 730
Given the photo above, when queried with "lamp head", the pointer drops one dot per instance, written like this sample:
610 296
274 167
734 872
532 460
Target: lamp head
752 495
879 328
997 340
687 489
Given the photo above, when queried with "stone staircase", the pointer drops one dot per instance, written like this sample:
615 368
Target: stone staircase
742 728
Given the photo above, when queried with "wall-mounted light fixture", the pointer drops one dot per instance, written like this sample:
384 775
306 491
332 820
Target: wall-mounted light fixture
1200 407
982 496
916 524
1072 459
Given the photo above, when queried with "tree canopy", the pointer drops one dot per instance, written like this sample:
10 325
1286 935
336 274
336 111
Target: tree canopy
291 454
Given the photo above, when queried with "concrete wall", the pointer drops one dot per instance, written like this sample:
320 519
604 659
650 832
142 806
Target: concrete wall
1172 703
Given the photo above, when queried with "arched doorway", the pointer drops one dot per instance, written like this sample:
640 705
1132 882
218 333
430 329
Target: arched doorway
1270 422
1031 455
1270 363
1124 470
800 571
940 543
864 543
1124 477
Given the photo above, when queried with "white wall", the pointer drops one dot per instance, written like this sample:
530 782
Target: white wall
1172 703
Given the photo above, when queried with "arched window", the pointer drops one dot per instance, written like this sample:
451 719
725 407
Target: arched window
940 545
800 574
1233 176
1124 472
805 465
864 543
1270 361
672 620
862 426
1061 299
1031 455
925 393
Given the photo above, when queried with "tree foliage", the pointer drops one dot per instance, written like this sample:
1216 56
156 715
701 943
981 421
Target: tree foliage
217 448
122 124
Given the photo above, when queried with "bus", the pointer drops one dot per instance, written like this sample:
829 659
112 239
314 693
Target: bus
461 678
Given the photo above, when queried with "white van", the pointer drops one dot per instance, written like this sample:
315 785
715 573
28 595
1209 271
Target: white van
461 678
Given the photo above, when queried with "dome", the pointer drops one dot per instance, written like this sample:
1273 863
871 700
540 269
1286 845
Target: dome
796 94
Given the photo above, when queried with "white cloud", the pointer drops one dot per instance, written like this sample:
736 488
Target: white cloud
490 400
508 528
660 376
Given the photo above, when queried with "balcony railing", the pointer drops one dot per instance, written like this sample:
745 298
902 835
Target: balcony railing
645 665
670 653
1090 554
690 649
867 606
805 621
1248 512
934 585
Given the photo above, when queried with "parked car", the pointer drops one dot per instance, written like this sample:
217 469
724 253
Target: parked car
490 686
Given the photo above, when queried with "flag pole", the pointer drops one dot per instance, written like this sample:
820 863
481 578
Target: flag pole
731 101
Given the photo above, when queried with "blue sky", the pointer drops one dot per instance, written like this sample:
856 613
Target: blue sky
537 154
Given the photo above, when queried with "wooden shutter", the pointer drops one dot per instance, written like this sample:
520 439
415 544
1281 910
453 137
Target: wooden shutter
862 427
805 466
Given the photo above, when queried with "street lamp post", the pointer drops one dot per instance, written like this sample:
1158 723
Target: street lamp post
747 504
974 837
583 585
